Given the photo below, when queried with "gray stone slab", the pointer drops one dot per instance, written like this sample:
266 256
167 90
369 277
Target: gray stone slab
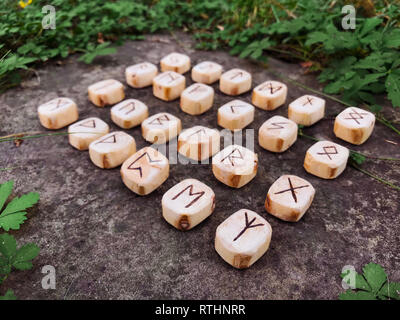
108 243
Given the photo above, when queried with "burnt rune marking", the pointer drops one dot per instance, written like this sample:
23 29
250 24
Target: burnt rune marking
238 106
237 74
309 101
191 193
355 114
110 139
107 84
149 159
198 88
198 132
88 124
248 225
59 104
159 120
292 190
326 153
206 66
277 125
271 88
127 105
231 156
172 78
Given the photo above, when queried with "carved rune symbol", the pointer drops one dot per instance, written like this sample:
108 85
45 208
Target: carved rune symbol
292 190
206 66
271 88
198 88
58 105
327 153
356 116
309 101
277 125
110 139
198 132
171 77
191 193
159 120
238 106
88 124
149 159
231 156
239 73
105 85
132 104
248 225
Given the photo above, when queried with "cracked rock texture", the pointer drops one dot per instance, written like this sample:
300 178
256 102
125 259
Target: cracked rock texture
108 243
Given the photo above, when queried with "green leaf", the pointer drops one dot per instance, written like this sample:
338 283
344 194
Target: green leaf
375 276
5 191
393 88
358 295
359 282
24 255
391 290
12 221
9 295
8 245
19 204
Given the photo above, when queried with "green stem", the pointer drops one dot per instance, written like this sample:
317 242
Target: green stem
374 176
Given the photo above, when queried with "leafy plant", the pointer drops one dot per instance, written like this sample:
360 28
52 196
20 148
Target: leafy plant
372 284
14 213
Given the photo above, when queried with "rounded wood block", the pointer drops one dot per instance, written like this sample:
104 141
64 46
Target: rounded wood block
197 99
235 166
58 113
277 134
354 125
235 115
141 75
129 113
326 159
269 95
289 198
243 238
145 171
106 92
206 72
199 143
307 110
168 86
187 204
112 150
235 82
161 127
83 133
176 62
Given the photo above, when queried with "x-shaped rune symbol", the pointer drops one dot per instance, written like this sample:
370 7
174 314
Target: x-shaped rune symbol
309 101
326 153
355 113
248 225
292 190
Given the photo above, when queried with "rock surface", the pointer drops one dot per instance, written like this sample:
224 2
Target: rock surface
108 243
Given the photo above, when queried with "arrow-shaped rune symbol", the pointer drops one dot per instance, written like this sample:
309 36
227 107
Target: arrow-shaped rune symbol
248 225
239 73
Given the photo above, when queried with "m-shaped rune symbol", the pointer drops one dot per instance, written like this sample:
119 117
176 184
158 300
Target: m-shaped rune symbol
327 153
248 225
191 193
356 116
292 190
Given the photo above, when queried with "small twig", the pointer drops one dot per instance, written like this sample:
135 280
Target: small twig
355 166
